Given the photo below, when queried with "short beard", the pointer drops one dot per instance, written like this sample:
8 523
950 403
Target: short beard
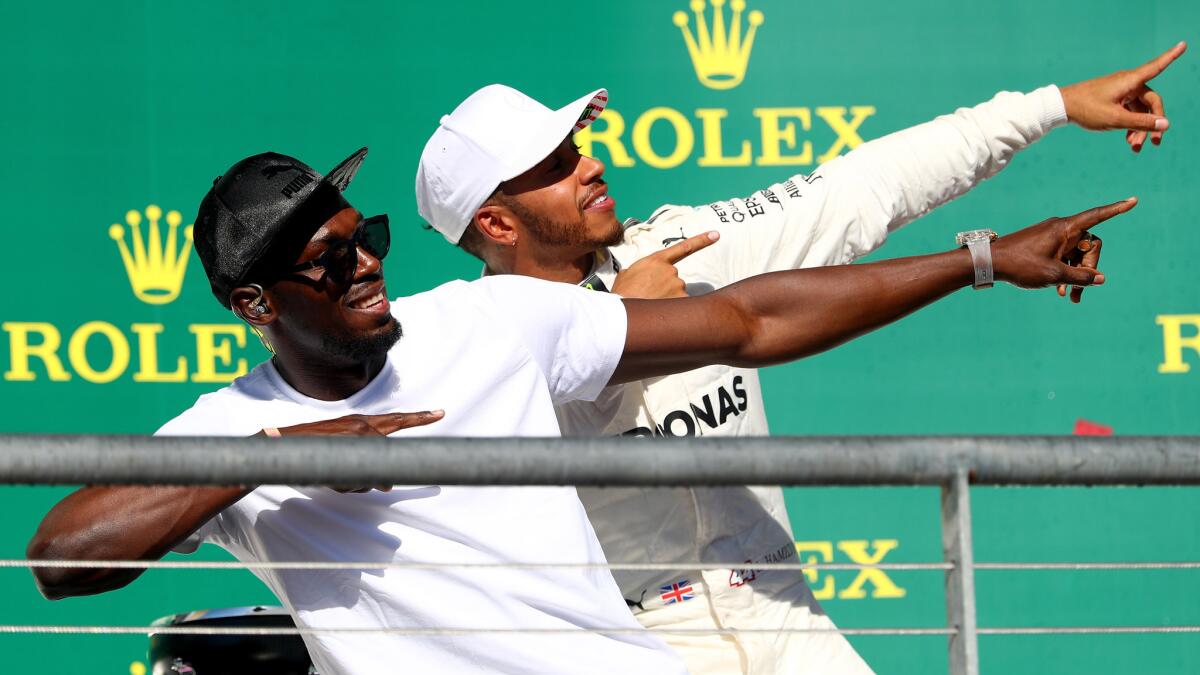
552 233
362 348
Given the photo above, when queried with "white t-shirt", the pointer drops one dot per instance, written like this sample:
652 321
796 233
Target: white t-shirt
496 354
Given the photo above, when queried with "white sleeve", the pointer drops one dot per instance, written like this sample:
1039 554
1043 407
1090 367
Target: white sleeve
847 206
891 181
208 533
577 336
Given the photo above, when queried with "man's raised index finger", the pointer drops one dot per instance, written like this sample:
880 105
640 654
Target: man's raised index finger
388 423
1085 219
689 246
1156 65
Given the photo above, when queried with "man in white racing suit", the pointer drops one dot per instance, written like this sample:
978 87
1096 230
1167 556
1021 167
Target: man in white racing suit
842 211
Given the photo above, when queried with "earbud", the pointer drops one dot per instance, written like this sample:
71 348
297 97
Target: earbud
257 308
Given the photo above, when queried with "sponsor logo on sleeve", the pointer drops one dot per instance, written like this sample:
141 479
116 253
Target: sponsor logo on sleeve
677 592
741 577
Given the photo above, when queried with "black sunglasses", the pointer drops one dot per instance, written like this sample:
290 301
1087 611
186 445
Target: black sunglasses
340 259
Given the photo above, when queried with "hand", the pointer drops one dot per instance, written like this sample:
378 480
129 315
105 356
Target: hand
1123 100
655 277
364 425
1049 253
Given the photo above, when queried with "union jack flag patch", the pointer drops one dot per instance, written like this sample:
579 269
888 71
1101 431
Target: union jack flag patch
676 592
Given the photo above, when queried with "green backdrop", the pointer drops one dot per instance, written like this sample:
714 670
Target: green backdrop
113 107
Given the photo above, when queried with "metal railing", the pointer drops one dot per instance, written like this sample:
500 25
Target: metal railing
953 463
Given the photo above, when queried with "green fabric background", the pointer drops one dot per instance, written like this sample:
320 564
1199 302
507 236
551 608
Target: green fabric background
115 106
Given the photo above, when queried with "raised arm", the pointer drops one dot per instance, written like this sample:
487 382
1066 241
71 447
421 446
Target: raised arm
891 181
147 522
788 315
847 207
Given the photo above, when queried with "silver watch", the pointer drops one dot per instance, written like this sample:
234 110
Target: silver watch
979 243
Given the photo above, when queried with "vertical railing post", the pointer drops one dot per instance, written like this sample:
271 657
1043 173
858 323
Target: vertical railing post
960 579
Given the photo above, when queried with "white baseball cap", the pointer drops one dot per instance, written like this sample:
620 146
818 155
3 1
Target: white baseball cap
495 135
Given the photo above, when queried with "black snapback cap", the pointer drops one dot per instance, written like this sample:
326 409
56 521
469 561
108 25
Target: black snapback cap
265 204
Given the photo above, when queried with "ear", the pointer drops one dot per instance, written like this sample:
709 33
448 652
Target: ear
251 304
497 223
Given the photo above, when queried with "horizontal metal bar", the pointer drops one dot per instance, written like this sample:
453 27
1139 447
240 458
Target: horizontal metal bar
229 630
13 563
323 565
832 460
1090 630
438 632
1088 566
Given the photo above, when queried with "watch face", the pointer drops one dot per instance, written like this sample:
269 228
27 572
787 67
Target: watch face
963 238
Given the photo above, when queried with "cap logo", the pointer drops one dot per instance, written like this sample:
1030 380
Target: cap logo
302 178
296 184
591 111
588 113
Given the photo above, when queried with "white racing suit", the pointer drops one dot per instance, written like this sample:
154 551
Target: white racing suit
842 211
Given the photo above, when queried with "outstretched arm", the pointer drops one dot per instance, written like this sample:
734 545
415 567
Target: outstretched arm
893 180
788 315
147 522
847 207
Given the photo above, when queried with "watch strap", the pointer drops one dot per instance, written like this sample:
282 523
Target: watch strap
981 258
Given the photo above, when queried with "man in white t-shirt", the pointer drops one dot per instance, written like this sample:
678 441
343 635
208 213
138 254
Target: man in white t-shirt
287 254
549 215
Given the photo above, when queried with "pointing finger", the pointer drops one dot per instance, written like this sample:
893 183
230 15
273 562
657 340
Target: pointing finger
1156 65
688 246
389 423
1080 222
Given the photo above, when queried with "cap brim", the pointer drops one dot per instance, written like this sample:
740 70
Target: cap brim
569 119
588 107
344 172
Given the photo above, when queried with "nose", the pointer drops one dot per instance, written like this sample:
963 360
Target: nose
590 169
367 264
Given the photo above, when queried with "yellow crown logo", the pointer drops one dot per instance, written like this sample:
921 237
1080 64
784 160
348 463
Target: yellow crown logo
720 59
155 270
